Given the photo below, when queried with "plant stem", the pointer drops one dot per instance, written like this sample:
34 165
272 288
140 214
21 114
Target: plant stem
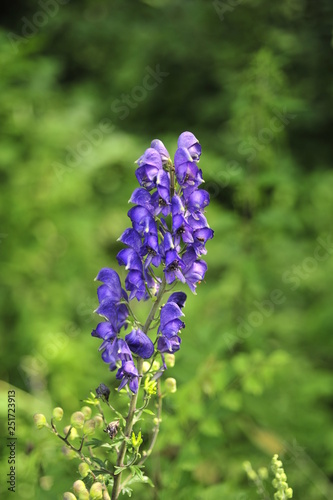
132 407
157 427
155 433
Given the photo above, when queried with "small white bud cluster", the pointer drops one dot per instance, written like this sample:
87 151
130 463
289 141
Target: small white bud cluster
280 480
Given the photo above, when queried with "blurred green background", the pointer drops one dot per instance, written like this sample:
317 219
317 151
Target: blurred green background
85 86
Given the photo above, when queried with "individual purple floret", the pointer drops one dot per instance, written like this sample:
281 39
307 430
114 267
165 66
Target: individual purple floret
128 374
140 344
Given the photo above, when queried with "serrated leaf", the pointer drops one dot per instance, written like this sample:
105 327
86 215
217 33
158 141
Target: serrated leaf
127 491
98 461
141 479
94 443
118 470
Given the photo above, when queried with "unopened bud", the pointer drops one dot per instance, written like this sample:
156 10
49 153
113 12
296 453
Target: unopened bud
69 496
170 385
40 420
106 495
73 433
84 469
170 360
70 454
156 365
58 413
84 495
96 491
99 421
89 427
77 419
289 493
79 487
145 366
263 473
86 410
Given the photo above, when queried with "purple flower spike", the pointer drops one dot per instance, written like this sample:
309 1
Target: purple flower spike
168 233
140 344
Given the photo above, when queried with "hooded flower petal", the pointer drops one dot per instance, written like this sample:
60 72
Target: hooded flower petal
159 146
140 344
142 197
189 141
165 344
110 278
104 331
130 259
169 312
179 298
128 374
131 238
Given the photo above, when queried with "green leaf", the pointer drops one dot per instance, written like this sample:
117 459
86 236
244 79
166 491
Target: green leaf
98 461
118 470
149 412
127 491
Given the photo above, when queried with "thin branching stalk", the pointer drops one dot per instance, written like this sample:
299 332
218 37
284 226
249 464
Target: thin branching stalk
132 407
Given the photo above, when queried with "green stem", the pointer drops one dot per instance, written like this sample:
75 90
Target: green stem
132 407
155 433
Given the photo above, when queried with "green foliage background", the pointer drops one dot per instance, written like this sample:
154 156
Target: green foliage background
253 81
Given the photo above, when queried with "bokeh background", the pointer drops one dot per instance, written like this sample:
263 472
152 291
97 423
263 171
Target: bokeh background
85 86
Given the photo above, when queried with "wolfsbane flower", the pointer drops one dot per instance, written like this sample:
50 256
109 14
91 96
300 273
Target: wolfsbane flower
169 231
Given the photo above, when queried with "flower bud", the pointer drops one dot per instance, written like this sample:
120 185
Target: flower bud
40 420
77 419
46 482
84 495
145 366
86 410
106 495
156 365
170 360
73 434
69 496
84 469
70 454
263 473
58 413
157 420
89 427
96 491
99 421
170 385
103 392
289 493
79 487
